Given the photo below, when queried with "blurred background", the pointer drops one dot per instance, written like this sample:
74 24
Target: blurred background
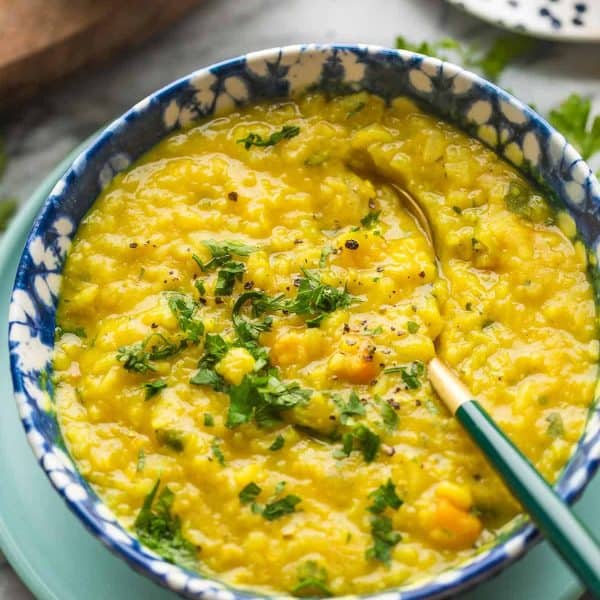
69 67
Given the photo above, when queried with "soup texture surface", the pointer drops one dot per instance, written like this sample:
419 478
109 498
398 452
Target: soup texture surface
243 331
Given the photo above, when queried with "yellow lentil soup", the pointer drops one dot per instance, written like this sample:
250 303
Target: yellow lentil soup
245 320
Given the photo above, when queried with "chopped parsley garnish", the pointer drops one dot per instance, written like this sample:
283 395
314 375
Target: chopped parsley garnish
229 273
356 109
412 327
199 284
217 452
279 508
272 510
263 397
411 374
384 539
504 50
384 496
160 530
249 493
255 139
215 348
62 330
260 303
141 461
354 407
312 581
370 219
277 443
173 438
230 270
556 427
208 376
389 415
209 420
184 308
222 252
153 387
367 441
316 300
325 252
526 204
572 118
136 357
317 158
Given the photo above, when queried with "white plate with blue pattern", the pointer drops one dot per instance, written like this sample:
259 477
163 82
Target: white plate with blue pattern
566 20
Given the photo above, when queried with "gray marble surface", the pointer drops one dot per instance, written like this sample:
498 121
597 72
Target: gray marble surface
40 133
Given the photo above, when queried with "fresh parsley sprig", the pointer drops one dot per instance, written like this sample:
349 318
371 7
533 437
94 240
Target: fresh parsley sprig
572 118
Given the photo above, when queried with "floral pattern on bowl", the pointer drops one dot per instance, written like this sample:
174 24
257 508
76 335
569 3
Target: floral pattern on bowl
485 111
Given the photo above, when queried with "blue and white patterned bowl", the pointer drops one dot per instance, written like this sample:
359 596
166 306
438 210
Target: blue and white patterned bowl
482 109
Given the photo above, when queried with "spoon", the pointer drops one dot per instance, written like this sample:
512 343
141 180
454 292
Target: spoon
550 513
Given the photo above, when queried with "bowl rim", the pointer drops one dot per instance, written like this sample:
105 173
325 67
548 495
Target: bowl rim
478 567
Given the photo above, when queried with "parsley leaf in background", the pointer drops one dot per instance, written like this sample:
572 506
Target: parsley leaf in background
8 207
491 62
572 118
160 530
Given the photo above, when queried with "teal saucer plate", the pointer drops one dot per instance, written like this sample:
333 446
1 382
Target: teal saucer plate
59 560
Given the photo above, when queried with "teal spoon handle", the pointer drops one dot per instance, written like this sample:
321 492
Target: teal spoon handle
552 516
